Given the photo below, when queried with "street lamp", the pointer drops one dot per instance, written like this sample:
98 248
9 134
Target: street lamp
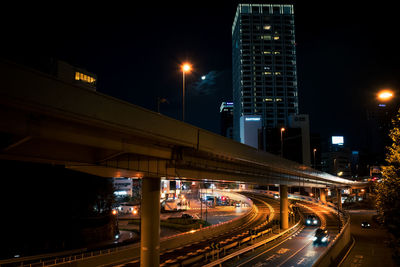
282 130
385 95
314 150
186 67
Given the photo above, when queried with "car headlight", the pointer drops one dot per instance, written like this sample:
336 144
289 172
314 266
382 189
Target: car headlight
308 221
324 239
314 238
315 222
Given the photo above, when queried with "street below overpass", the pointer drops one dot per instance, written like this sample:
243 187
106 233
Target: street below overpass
294 249
297 249
370 247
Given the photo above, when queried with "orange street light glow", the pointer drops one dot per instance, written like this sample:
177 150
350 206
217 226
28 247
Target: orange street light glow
283 129
186 67
385 95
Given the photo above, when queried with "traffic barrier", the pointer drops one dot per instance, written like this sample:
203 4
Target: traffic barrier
331 256
131 252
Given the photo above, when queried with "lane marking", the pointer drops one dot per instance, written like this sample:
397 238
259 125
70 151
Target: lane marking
308 243
265 251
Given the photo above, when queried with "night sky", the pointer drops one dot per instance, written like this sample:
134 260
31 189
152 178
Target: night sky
345 53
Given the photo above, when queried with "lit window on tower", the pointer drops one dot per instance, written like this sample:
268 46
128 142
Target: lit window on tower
85 78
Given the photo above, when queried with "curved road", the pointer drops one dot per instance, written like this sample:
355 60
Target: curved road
299 249
172 257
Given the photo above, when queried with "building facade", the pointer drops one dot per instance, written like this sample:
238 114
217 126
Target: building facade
264 64
226 111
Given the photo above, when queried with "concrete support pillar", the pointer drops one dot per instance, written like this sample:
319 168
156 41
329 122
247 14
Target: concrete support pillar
150 222
322 194
284 206
339 198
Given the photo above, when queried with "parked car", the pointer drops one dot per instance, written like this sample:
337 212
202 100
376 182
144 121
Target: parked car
321 237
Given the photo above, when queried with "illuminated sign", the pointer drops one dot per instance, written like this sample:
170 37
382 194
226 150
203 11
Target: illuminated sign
252 119
337 140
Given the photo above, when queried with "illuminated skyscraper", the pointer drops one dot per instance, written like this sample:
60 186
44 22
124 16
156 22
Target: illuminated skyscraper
264 65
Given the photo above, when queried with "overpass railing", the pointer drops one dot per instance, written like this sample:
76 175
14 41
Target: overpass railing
130 252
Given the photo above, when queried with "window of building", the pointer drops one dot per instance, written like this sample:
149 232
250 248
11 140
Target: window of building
276 10
255 9
245 9
265 37
79 76
287 10
265 9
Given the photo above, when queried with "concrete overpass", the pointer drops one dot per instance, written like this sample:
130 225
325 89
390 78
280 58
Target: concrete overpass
47 120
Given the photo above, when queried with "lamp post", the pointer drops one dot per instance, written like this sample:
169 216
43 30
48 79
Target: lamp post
186 67
314 150
385 95
282 130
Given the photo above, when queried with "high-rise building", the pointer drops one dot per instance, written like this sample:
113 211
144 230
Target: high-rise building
226 111
264 65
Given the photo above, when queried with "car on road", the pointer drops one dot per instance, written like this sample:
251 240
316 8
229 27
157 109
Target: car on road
186 216
321 237
128 208
365 224
311 220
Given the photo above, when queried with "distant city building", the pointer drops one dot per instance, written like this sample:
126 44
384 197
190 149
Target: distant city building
338 160
122 187
250 126
78 76
226 111
302 122
264 65
379 117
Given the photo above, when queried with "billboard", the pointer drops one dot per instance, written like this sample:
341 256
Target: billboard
337 140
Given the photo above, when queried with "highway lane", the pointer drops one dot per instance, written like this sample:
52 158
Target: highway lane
172 257
299 249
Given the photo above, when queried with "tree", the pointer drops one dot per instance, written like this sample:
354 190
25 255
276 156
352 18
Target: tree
388 189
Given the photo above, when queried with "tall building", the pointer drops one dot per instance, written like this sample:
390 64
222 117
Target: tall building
264 65
337 161
226 111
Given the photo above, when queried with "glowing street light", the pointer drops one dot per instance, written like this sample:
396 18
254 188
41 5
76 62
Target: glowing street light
186 68
314 150
282 130
385 95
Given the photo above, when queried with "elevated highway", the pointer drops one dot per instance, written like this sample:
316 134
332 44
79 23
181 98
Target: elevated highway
43 119
47 120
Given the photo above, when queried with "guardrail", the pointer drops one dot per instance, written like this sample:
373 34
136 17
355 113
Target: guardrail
130 252
331 255
252 247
